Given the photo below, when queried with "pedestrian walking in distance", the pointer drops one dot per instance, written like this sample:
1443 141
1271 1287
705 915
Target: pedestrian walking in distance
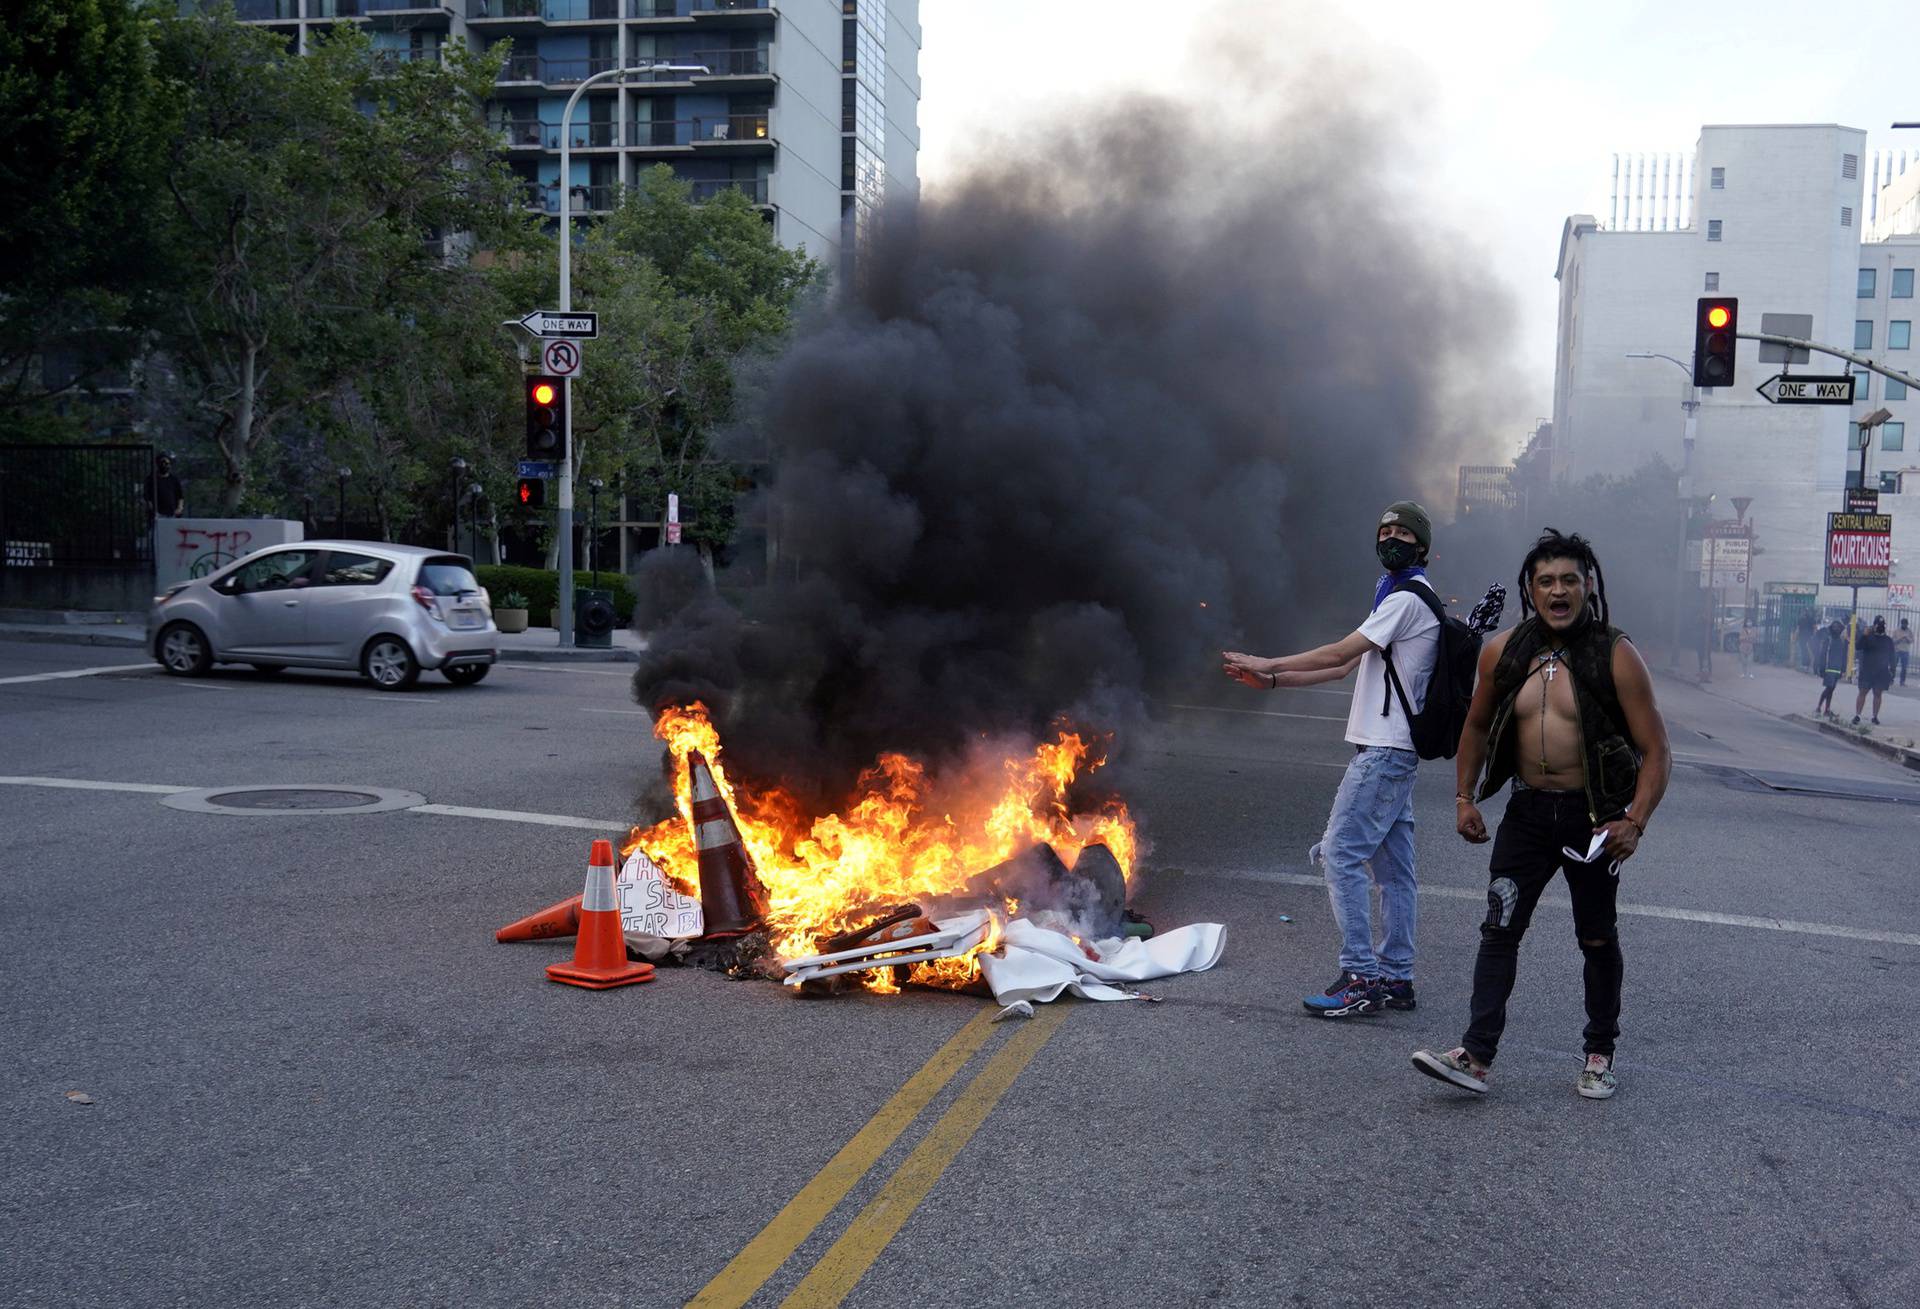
1875 650
1830 661
1747 637
1369 833
1564 715
1902 647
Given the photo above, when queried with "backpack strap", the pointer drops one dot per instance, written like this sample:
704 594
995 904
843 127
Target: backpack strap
1391 683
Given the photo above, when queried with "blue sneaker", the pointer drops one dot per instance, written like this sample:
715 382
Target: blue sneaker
1349 996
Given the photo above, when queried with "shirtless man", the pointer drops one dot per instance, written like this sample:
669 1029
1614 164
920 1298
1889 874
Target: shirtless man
1564 709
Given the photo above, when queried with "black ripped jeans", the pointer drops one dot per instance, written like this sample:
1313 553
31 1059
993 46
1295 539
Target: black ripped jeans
1526 854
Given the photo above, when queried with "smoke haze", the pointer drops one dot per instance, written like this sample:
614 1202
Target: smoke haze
1131 393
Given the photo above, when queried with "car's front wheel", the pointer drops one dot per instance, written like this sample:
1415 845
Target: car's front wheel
389 664
466 674
184 651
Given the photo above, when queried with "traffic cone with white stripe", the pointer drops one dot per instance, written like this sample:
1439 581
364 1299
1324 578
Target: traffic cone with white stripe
561 919
732 901
600 951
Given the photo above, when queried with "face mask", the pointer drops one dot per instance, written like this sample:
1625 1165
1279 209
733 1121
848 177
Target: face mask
1396 554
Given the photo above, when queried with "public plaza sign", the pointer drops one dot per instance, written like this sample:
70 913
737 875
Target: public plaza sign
1859 549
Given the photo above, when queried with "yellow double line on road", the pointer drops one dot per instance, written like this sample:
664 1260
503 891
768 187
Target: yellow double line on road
848 1260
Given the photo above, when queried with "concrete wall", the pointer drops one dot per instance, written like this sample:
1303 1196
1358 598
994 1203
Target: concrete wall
185 548
903 101
103 590
805 185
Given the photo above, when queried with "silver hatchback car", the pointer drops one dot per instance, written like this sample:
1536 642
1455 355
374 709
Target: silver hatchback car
387 610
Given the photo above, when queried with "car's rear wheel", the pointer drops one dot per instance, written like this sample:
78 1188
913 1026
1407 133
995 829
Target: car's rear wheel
184 651
389 664
466 674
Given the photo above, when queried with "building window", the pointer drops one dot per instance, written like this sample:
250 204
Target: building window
1856 439
1849 165
1863 334
1902 284
1719 179
1853 478
1893 436
1899 334
1846 215
1895 390
1862 386
1889 484
1713 229
1713 281
1865 290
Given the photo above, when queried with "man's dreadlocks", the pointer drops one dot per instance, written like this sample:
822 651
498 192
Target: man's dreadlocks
1553 544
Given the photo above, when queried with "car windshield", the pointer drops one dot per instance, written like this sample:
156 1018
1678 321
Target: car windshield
448 577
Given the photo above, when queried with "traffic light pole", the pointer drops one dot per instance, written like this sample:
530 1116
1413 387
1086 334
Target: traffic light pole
1866 363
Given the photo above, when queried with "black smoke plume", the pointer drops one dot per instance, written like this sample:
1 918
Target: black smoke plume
1133 393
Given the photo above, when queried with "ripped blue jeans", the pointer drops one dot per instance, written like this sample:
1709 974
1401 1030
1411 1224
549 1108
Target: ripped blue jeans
1368 842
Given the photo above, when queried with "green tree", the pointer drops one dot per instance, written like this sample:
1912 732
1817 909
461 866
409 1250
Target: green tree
310 201
79 167
689 295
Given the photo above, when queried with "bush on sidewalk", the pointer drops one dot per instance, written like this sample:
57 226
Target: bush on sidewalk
540 587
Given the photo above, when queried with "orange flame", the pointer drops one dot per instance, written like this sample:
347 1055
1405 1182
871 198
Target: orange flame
900 838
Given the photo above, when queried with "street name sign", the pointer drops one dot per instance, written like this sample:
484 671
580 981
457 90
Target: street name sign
535 468
1859 549
1808 390
551 322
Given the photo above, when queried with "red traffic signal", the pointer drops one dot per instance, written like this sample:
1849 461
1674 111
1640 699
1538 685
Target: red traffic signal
531 493
546 430
1716 322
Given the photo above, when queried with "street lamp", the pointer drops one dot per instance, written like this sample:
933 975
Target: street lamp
594 487
458 466
340 510
474 492
564 511
1685 488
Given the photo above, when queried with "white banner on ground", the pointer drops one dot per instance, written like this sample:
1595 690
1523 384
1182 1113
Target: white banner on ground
649 905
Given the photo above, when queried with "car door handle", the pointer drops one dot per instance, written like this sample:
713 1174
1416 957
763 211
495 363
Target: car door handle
291 604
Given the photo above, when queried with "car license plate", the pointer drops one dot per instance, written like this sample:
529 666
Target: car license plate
467 618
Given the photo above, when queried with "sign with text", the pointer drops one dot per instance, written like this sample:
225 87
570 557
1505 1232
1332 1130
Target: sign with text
1900 595
650 905
1863 500
1835 389
1726 555
553 323
1793 588
1859 549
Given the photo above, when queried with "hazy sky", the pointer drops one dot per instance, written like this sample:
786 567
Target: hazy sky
1510 111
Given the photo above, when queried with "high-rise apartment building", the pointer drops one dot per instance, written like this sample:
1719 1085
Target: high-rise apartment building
1776 215
809 107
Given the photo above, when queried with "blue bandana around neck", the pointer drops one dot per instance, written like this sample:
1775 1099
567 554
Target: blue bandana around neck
1390 580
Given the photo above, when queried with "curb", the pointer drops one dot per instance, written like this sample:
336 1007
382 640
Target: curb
136 639
1900 754
76 635
571 655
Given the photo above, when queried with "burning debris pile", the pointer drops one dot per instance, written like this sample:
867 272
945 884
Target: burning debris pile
910 882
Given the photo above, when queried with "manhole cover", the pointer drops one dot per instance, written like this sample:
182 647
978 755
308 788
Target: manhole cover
304 798
269 801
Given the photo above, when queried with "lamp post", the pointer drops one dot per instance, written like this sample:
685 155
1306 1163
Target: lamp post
594 487
458 467
564 510
1867 424
474 492
340 509
1685 489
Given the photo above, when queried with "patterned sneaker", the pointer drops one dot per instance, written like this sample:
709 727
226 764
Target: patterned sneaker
1349 996
1453 1068
1399 992
1597 1081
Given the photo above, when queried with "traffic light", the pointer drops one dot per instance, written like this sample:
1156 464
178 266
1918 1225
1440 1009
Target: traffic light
546 430
1714 325
531 493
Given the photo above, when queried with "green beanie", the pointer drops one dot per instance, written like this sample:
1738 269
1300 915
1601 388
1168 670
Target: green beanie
1407 514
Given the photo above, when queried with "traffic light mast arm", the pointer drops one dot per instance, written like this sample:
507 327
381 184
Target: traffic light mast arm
1794 341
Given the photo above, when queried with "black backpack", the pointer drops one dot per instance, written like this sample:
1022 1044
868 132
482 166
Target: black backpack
1436 728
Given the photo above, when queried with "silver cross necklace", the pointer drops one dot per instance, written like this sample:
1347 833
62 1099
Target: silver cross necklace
1549 664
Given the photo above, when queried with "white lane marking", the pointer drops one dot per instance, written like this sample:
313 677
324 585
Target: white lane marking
1257 713
78 672
520 667
202 686
1657 911
517 816
391 697
78 784
640 713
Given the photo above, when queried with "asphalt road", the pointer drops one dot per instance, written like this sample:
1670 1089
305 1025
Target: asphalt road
316 1080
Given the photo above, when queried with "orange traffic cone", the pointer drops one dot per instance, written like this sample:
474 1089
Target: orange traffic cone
732 901
600 952
561 919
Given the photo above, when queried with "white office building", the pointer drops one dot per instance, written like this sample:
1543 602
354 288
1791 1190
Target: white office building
1778 216
810 107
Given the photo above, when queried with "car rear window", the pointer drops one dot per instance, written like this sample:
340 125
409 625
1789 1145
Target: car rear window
347 569
448 576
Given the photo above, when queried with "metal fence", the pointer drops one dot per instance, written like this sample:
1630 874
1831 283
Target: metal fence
76 506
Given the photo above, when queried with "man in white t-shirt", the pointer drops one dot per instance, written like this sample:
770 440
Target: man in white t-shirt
1369 836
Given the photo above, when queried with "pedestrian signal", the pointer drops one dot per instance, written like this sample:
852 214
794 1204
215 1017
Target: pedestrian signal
546 430
531 493
1714 326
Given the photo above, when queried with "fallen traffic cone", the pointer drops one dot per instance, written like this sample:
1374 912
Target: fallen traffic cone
600 951
561 919
732 900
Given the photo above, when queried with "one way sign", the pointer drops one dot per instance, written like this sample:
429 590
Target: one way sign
1809 390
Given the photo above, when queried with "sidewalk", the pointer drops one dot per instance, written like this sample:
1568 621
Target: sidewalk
129 631
1792 694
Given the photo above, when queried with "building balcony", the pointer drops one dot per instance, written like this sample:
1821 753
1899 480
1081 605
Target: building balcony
535 72
247 11
412 10
720 134
582 199
708 188
497 14
754 63
707 13
521 134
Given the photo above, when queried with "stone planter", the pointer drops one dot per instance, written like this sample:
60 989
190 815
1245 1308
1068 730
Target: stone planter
510 620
